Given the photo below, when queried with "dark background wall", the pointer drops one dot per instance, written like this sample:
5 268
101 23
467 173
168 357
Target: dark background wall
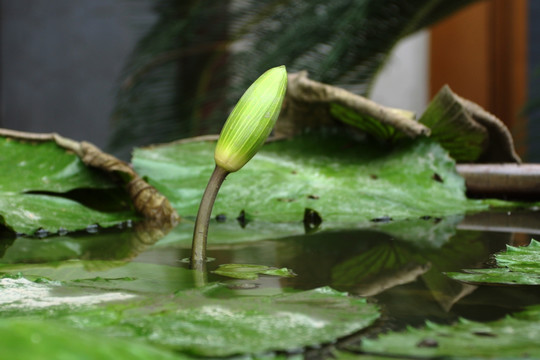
534 80
61 60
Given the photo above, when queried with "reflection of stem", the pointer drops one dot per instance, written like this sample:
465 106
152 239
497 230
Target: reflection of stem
200 275
200 233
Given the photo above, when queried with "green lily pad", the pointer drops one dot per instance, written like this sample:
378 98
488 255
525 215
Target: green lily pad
200 325
517 266
195 321
513 337
250 272
134 301
43 186
454 128
37 339
343 180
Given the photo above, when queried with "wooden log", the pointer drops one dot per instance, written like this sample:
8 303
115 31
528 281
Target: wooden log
502 180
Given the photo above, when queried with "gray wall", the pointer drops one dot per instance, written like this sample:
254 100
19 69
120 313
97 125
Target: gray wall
404 83
534 81
61 60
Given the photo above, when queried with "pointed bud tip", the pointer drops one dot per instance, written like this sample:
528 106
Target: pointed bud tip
251 120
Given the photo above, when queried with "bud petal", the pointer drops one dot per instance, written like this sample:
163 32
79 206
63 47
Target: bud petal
251 120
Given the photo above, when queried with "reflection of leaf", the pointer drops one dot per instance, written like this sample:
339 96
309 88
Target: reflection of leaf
398 261
109 244
518 266
342 179
230 232
383 266
465 249
509 338
250 272
39 339
426 232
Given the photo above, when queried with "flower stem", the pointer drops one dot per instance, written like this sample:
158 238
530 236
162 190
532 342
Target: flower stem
200 233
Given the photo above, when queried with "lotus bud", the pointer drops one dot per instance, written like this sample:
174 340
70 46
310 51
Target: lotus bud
243 134
251 120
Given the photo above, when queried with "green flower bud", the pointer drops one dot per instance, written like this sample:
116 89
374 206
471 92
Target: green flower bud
251 120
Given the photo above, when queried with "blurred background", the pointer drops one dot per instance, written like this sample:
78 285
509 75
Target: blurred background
124 73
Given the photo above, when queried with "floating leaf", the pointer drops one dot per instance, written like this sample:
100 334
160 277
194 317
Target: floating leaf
197 323
38 339
517 266
250 272
53 184
510 338
204 322
343 180
204 326
36 181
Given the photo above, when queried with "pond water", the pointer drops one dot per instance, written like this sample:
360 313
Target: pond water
404 276
399 266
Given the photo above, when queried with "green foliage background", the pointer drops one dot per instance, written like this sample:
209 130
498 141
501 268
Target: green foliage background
195 61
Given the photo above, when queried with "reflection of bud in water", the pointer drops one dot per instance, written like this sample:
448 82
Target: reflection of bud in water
251 120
